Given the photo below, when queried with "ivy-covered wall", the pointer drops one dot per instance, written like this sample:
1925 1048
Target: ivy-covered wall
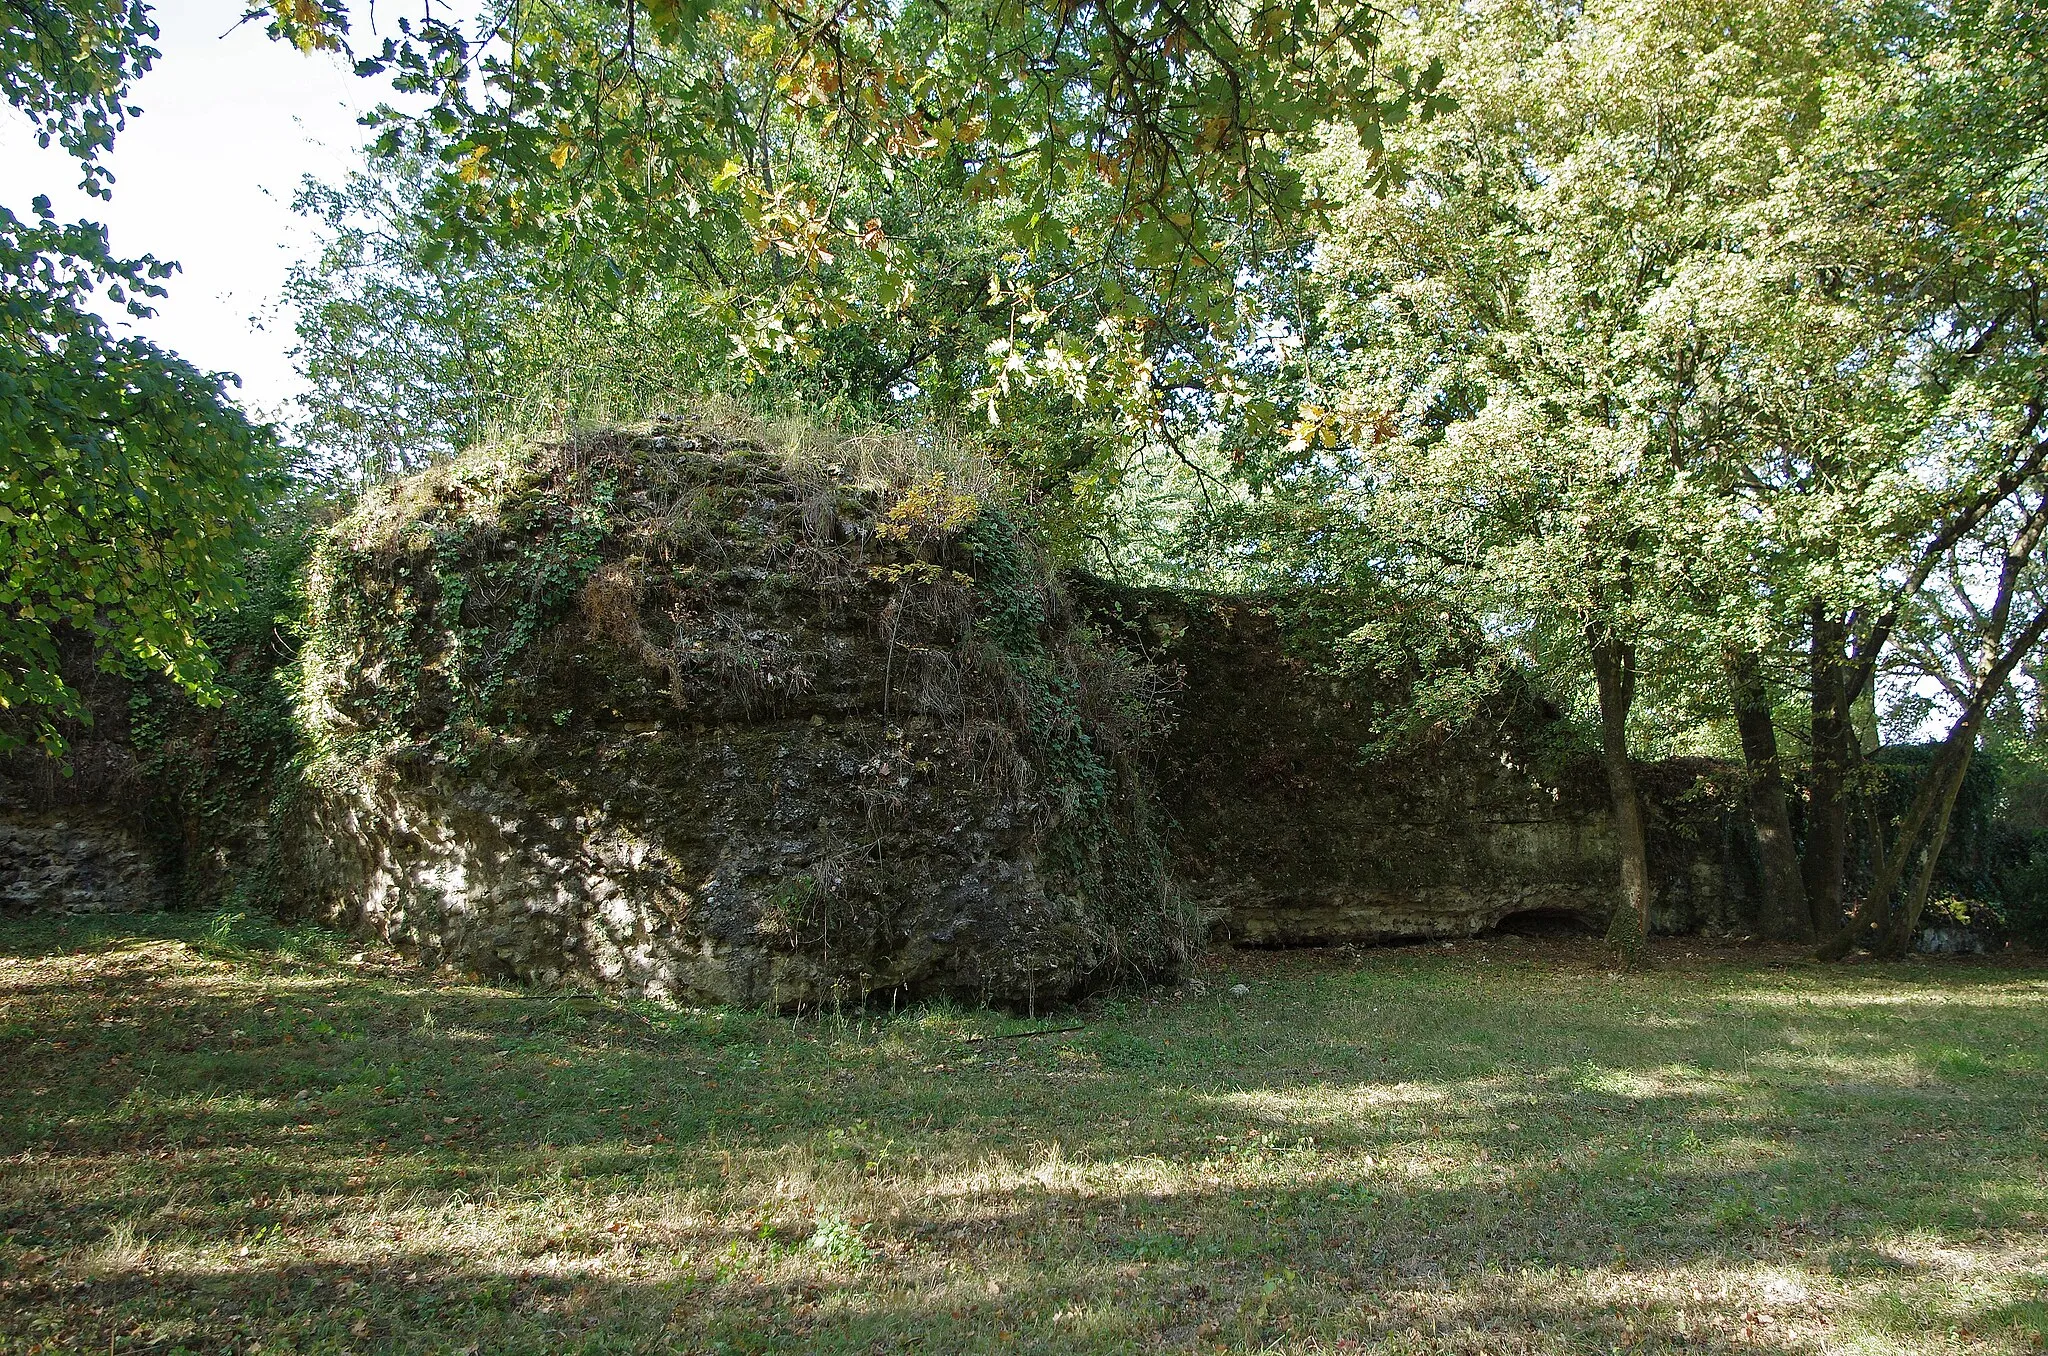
688 713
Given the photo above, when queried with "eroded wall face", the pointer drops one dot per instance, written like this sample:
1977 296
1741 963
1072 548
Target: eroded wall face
1290 831
729 864
773 760
775 747
76 861
79 834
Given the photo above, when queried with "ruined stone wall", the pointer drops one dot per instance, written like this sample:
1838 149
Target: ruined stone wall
676 715
76 834
1288 832
76 861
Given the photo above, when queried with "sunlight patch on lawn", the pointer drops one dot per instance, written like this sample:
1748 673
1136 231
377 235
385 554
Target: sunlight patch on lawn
1565 1178
1674 1082
1321 1105
1990 995
1888 1071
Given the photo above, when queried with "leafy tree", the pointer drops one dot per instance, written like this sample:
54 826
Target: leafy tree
403 357
128 479
1492 375
778 170
409 348
1929 187
67 67
1672 353
1995 617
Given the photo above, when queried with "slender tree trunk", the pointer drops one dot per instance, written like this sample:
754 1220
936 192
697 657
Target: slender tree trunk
1614 674
1827 811
1905 919
1876 924
1875 920
1785 914
1873 828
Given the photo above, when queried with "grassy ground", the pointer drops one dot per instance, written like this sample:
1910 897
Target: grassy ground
222 1137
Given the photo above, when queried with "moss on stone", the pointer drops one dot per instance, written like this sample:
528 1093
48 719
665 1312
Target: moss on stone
686 711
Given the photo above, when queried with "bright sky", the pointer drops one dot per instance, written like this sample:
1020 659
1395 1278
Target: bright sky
205 176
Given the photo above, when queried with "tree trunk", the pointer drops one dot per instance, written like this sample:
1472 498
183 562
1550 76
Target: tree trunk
1876 920
1905 920
1827 811
1785 914
1877 924
1614 674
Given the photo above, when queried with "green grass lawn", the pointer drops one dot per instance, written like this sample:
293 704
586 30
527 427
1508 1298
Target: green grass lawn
217 1136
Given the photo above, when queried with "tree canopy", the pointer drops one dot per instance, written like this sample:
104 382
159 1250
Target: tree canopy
1694 336
778 169
129 480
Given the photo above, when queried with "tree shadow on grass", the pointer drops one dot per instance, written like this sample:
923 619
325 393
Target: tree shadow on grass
200 1152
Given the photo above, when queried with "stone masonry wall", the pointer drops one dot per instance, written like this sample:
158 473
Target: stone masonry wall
778 735
1287 833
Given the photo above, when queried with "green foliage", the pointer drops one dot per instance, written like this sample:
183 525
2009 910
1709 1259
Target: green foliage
840 1241
790 911
2020 880
1187 113
1993 872
1088 708
1043 210
411 351
1502 411
128 479
1011 589
1691 320
67 65
1951 911
216 770
403 359
488 552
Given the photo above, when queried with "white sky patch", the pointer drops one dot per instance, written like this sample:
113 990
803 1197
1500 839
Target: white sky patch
205 176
